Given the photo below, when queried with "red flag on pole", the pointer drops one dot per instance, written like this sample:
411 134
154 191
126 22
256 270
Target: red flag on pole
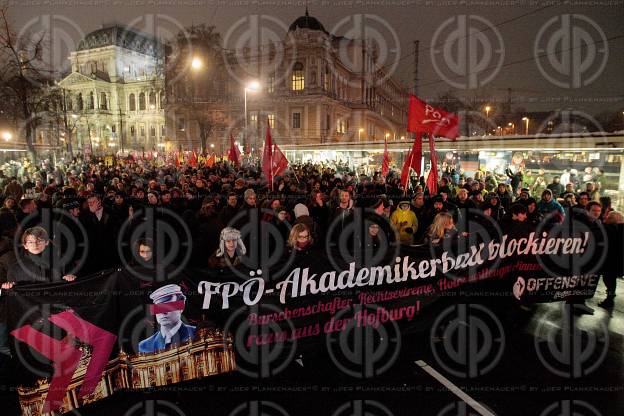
406 168
385 165
413 160
267 157
193 160
279 162
211 160
423 118
432 179
234 152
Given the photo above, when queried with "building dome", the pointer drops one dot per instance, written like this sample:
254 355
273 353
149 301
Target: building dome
125 37
306 22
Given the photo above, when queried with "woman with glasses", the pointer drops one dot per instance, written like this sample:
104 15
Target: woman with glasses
38 262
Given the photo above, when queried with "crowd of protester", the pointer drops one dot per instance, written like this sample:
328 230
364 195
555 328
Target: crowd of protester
100 209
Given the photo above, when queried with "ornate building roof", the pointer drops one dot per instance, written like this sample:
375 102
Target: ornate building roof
121 36
307 22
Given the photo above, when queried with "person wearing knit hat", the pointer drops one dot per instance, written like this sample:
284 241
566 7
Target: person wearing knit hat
300 210
231 249
169 303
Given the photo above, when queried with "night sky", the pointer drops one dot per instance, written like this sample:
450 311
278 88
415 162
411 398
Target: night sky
512 46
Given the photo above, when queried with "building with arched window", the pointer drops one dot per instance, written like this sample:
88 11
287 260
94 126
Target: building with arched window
316 88
113 71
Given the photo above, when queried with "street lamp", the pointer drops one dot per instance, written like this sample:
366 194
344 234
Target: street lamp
526 126
487 111
253 86
6 135
196 63
360 134
387 135
513 127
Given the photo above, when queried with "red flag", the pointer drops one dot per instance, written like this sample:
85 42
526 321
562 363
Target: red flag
385 165
279 162
423 118
247 149
177 159
193 160
234 152
211 161
413 160
432 179
406 168
267 157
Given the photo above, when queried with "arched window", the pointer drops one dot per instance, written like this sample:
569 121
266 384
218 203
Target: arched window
152 99
132 102
69 105
142 101
298 78
161 96
103 102
91 100
80 102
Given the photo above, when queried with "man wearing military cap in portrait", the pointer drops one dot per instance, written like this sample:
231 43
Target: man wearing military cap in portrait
169 302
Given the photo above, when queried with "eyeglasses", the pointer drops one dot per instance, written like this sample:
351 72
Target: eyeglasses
303 237
34 242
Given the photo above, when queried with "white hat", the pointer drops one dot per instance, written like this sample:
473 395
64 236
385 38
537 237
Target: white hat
168 293
301 210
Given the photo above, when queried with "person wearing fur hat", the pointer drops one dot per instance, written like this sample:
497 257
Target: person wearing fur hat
231 249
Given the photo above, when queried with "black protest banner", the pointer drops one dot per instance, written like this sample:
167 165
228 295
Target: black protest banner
82 341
